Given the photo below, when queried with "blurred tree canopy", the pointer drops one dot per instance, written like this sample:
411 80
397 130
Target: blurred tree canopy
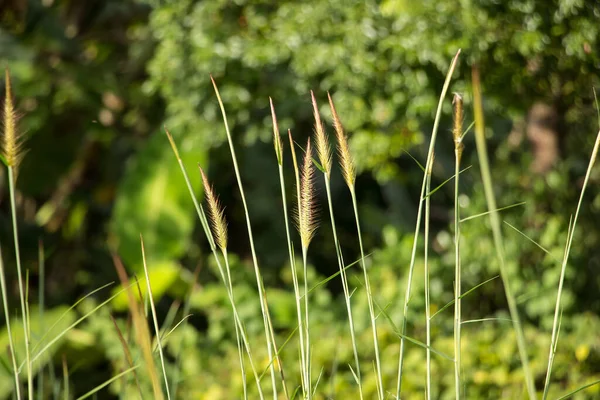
97 80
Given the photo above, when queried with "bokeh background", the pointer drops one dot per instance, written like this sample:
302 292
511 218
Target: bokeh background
95 82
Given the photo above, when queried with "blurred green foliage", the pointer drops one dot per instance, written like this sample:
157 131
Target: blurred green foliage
96 80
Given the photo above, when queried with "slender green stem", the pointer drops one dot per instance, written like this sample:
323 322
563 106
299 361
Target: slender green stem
237 329
155 319
427 305
294 279
259 281
13 208
457 279
497 232
555 325
11 345
65 378
369 294
418 222
345 287
41 310
308 394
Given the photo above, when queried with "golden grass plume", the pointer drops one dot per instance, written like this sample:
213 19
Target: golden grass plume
322 143
346 161
11 144
306 216
216 213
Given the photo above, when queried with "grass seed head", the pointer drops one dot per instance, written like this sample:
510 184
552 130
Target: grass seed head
457 102
346 161
306 209
11 140
216 214
322 143
276 136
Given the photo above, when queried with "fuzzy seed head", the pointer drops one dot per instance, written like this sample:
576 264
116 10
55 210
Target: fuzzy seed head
276 137
306 208
216 214
458 116
346 161
323 148
11 145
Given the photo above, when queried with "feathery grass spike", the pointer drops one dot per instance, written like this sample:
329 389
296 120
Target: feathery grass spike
11 140
322 144
346 161
216 213
306 208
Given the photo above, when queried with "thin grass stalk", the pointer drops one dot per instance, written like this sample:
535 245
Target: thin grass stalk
154 319
238 339
259 281
301 327
294 276
369 293
11 345
213 248
324 153
13 207
65 370
345 288
426 273
555 325
497 231
418 222
41 310
140 326
458 149
186 311
279 154
127 354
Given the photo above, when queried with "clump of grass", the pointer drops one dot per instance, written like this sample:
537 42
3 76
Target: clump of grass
12 152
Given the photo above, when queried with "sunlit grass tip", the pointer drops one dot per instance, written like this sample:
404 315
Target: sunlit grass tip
216 213
322 143
346 161
276 136
306 218
12 140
